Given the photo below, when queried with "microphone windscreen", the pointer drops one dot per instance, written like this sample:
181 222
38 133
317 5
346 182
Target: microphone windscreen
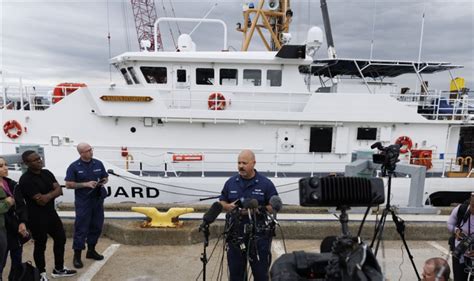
250 203
110 171
376 145
276 203
211 215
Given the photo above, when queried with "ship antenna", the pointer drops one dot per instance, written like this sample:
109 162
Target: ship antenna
108 39
421 35
373 30
327 28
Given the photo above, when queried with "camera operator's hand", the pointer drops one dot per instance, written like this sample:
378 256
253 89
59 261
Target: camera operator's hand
458 234
469 254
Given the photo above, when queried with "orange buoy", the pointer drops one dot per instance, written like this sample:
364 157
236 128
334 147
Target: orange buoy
216 101
405 144
12 129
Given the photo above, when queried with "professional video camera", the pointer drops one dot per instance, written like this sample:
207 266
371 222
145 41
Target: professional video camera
350 259
466 242
388 157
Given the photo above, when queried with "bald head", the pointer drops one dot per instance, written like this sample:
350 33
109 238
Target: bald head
246 163
436 267
85 151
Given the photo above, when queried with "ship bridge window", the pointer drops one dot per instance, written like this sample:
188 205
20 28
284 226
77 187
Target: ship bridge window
228 77
132 72
181 76
155 75
205 76
274 78
252 77
126 76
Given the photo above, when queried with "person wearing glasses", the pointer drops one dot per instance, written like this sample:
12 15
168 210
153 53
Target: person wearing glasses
39 188
87 177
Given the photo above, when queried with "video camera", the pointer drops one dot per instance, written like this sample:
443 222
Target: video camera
464 245
388 157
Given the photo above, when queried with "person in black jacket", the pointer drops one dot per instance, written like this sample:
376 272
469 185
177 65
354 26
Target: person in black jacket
15 222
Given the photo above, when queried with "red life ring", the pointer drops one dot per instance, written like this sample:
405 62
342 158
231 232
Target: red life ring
216 101
405 144
12 129
65 89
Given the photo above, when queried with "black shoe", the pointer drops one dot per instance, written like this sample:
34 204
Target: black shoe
65 272
77 259
92 254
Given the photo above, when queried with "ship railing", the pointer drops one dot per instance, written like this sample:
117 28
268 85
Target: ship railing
274 164
19 97
440 105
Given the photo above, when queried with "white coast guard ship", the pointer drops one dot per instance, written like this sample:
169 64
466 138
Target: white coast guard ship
173 132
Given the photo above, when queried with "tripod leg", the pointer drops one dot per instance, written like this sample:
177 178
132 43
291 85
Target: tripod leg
400 226
378 234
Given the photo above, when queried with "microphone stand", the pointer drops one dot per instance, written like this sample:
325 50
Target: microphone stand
204 260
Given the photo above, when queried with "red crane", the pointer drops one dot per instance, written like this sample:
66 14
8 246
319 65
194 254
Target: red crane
144 14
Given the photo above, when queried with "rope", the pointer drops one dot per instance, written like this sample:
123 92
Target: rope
174 15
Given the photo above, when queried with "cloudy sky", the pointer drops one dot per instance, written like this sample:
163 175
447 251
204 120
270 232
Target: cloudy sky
48 42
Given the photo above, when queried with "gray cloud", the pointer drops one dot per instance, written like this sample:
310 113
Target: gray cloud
56 41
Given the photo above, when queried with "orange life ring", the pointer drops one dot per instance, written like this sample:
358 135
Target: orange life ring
65 89
216 101
12 129
405 144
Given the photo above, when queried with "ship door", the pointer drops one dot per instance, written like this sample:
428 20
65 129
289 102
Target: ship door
181 96
285 147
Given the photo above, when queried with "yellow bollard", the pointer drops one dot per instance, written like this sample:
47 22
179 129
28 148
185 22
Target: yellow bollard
162 219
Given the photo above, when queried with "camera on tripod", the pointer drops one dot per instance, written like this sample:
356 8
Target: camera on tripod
466 242
388 156
350 258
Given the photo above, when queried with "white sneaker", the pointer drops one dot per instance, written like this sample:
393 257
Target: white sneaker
43 276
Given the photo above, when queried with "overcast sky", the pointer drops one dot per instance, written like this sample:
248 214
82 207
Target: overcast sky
49 42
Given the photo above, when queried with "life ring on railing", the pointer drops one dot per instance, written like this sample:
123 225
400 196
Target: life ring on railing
65 89
405 144
216 101
12 129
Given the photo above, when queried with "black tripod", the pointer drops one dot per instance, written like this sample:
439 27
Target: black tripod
400 224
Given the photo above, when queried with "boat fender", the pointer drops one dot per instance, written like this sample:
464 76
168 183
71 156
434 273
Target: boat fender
405 143
216 101
12 129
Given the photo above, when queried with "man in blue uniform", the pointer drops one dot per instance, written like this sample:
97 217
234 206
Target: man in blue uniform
248 238
87 176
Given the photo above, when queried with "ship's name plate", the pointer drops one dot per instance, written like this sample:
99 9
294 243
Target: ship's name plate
127 98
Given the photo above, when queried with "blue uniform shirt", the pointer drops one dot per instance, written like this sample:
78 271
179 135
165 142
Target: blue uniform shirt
259 187
81 171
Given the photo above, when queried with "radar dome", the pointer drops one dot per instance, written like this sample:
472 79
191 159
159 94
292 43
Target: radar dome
314 40
185 43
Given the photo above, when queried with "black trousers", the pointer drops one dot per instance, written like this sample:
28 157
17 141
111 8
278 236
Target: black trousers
51 224
459 271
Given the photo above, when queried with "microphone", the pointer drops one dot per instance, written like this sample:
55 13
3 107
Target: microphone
211 215
250 203
276 203
110 171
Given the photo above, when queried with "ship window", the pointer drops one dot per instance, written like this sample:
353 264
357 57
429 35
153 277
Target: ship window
155 75
181 76
132 72
320 139
274 78
228 77
126 76
366 133
252 77
205 76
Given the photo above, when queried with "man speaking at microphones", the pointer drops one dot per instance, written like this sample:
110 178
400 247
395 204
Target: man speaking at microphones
242 197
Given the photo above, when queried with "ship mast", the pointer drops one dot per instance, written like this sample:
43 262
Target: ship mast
274 17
